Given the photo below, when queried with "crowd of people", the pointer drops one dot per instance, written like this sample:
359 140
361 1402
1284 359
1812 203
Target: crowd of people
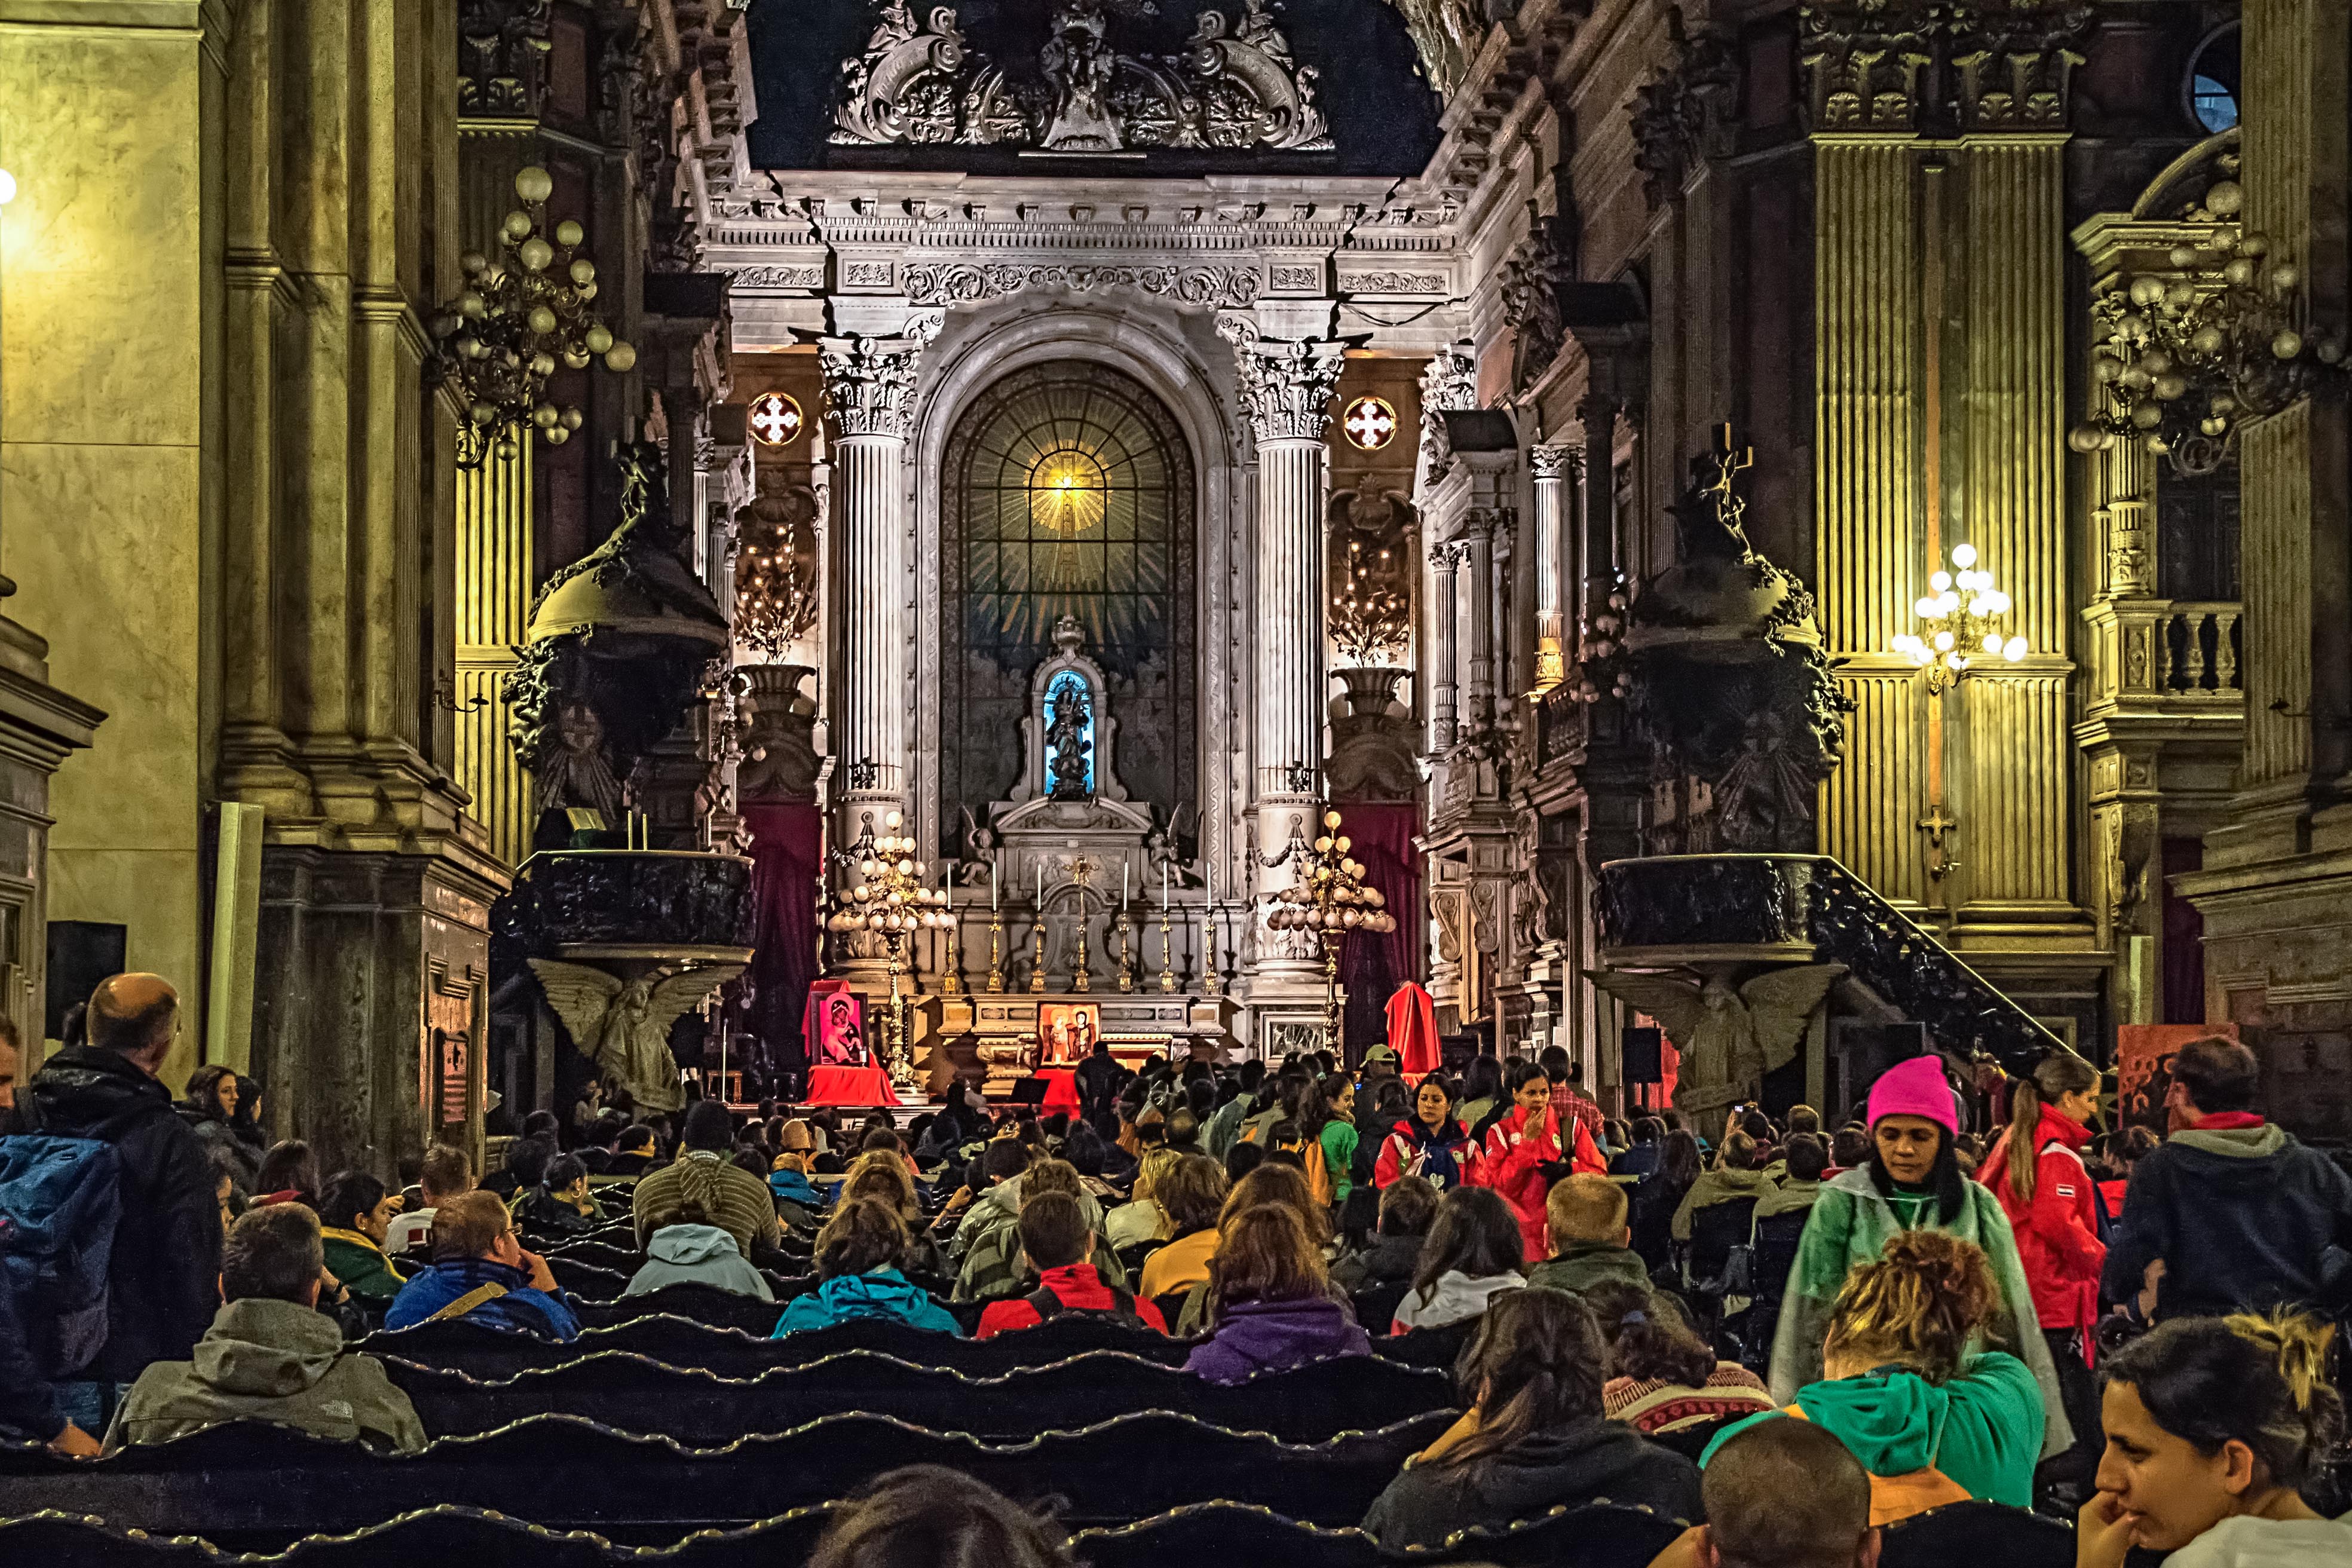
1901 1312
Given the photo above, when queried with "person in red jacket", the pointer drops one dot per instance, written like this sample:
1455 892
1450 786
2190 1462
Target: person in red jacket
1055 1242
1528 1149
2035 1171
1430 1144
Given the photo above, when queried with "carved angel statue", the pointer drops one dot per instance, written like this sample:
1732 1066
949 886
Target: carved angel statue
623 1025
1729 1038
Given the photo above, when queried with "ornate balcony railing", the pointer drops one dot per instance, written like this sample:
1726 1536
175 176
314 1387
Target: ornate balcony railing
1792 905
2200 648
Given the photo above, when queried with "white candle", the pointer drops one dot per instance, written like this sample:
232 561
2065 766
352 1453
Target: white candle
1163 887
996 884
1125 871
1041 884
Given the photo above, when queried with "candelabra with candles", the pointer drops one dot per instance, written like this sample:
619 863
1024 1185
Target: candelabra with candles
889 899
1329 898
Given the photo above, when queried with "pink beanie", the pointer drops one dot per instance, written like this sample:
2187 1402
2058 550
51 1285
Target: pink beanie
1915 1088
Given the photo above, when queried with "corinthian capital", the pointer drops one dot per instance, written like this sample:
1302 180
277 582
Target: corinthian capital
869 385
1866 63
2016 68
1554 462
1287 387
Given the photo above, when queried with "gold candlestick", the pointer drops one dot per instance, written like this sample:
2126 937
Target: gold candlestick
1037 965
1078 976
951 983
1167 953
1212 980
1126 964
995 953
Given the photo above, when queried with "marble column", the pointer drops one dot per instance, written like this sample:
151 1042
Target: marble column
1549 466
1287 387
1444 561
869 388
1479 633
1597 524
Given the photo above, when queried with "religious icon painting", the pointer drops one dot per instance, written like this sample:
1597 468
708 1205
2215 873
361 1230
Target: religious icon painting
1066 1032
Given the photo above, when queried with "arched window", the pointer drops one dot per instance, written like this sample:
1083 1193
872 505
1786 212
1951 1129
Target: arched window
1067 489
2213 80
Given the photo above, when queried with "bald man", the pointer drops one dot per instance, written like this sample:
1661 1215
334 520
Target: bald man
163 1276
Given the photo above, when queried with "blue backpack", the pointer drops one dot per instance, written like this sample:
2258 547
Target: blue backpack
59 1201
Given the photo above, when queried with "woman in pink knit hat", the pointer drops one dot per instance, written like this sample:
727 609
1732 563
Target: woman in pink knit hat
1911 1181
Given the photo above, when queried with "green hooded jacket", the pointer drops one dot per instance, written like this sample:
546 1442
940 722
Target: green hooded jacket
269 1361
1978 1429
1850 1224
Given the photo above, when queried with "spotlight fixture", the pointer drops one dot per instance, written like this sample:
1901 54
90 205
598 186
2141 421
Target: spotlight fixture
521 315
1960 624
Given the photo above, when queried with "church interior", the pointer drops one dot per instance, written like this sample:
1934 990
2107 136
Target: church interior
857 551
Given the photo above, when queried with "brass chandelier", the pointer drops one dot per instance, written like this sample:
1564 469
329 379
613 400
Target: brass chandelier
520 316
2186 360
890 900
1331 899
1959 621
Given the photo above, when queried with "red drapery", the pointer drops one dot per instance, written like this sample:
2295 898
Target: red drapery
786 838
1380 836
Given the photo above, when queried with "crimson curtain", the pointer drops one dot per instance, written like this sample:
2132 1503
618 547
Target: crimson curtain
786 839
1380 836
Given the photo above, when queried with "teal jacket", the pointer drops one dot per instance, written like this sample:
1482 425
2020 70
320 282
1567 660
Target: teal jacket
1980 1429
1850 1224
885 1294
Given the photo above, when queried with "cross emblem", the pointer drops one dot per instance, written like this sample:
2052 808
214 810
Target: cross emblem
1370 422
775 418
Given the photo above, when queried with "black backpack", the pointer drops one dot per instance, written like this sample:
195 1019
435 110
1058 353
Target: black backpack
1049 1306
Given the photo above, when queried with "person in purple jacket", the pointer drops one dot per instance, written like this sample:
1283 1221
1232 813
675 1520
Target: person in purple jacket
1270 1301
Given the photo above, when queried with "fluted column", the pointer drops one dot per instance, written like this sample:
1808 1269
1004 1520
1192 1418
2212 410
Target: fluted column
869 388
1549 466
1597 524
1287 388
1478 567
1444 560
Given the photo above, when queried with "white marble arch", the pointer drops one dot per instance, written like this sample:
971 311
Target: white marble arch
1177 355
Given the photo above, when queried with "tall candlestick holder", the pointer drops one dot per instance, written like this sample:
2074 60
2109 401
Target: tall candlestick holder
951 982
1082 872
1212 980
995 953
1126 960
1037 962
1167 951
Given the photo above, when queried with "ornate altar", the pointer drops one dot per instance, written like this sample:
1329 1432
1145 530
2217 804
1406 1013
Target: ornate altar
1015 1034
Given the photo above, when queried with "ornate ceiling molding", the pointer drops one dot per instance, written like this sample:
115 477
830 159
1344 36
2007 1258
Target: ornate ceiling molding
1233 86
973 283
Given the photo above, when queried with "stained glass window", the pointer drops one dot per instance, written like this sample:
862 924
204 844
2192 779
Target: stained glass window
1067 489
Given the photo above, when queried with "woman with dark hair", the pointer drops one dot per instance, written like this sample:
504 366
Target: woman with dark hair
1270 1302
859 1257
560 1205
210 1108
1481 1093
1276 1182
1432 1145
289 1174
1933 1418
1526 1151
2215 1425
354 1212
1662 1376
927 1516
1474 1252
1658 1197
1911 1181
1534 1439
246 1121
1330 1124
879 1173
1190 1195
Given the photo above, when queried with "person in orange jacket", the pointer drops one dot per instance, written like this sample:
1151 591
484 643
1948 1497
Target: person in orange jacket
1534 1146
2035 1171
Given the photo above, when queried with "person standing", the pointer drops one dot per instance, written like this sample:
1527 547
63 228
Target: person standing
163 1273
2232 1213
1912 1180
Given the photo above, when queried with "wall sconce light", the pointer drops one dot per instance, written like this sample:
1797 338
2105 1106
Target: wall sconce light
518 317
1959 623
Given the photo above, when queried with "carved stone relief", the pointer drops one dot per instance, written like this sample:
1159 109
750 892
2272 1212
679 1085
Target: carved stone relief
973 283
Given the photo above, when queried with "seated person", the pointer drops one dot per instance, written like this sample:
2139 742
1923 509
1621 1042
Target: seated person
526 1164
1408 1208
930 1515
1932 1421
1271 1182
1190 1195
992 1259
1270 1304
481 1273
446 1174
355 1213
560 1205
1785 1494
1662 1376
690 1252
636 1153
1055 1244
1591 1242
732 1198
799 1206
1733 1175
269 1355
2213 1424
1534 1436
1140 1219
860 1255
1803 1159
1474 1251
880 1173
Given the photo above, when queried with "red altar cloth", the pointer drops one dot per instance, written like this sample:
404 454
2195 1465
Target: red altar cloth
849 1086
1061 1091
